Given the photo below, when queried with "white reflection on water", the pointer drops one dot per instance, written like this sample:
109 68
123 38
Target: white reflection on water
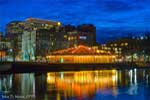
135 77
133 86
147 76
19 86
27 84
130 74
5 83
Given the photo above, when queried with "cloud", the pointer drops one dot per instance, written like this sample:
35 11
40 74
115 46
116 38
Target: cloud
112 15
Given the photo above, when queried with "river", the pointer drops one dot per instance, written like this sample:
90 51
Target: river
128 84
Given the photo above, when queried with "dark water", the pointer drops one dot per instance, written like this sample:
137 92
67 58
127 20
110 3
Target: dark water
131 84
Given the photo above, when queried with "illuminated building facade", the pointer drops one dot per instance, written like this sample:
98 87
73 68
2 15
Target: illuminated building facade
130 49
38 38
64 40
81 54
36 44
71 36
28 45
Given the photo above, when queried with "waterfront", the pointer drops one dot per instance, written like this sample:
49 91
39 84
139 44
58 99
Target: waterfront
103 84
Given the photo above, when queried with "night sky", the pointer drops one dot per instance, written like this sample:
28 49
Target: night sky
112 18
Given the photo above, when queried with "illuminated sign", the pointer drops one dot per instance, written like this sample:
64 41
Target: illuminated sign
82 37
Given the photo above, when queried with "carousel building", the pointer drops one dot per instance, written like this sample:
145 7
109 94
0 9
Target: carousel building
81 54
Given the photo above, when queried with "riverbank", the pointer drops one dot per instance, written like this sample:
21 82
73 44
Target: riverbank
26 67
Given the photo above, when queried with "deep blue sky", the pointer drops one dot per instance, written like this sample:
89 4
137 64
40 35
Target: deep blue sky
113 18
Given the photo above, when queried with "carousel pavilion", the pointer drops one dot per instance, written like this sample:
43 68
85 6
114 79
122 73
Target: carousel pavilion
81 54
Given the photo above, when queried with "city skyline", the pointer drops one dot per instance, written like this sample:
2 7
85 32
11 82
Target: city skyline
117 18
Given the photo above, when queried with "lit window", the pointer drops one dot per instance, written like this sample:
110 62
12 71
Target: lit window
98 51
69 38
116 49
126 44
65 36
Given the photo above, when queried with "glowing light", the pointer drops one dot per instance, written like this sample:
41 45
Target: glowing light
98 51
81 54
62 60
58 23
126 44
84 82
69 38
114 78
130 73
135 78
65 36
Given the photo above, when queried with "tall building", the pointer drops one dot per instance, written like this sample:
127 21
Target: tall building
86 34
28 45
70 36
66 37
14 31
44 42
34 38
38 38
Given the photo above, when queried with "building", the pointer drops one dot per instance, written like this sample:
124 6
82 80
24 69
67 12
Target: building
71 36
65 38
4 48
38 38
28 45
45 36
14 31
86 34
80 54
130 49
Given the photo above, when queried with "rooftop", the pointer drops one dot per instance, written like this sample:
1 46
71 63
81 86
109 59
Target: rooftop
80 50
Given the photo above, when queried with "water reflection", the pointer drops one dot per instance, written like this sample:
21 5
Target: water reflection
84 83
79 85
17 86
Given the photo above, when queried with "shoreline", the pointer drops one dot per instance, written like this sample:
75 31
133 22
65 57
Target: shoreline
26 67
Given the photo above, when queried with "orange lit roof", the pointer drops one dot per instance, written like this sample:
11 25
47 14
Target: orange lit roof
79 50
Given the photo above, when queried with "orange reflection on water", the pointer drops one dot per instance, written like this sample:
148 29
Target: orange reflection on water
83 82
